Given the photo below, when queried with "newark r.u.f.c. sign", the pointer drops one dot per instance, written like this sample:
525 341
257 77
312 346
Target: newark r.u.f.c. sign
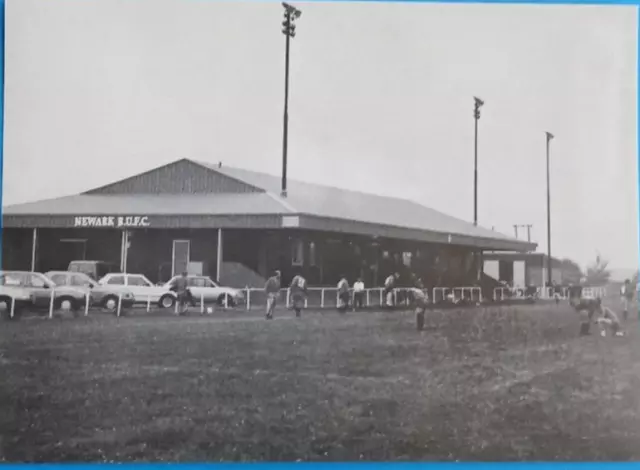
128 221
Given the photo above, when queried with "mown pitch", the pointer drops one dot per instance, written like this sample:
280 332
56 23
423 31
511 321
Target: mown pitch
484 384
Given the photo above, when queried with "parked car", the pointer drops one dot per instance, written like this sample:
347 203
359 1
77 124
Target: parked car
40 289
13 296
94 269
101 296
143 289
205 287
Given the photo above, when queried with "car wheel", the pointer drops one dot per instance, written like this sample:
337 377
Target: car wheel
167 301
110 303
67 304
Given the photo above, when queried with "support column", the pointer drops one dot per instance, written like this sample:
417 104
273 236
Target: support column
34 249
219 256
124 251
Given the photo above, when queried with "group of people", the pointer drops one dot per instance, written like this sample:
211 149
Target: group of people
592 310
298 292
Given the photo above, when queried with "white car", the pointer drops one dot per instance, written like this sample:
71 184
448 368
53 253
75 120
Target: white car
203 288
14 296
142 288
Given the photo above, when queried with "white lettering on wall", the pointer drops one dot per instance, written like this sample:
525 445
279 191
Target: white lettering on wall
112 221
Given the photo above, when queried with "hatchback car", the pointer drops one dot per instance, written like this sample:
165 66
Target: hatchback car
203 287
42 289
102 296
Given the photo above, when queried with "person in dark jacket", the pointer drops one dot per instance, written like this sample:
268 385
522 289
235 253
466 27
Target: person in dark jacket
421 300
181 287
272 289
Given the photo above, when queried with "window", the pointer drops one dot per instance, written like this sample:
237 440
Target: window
197 282
297 253
11 279
81 281
137 281
116 280
210 283
312 254
59 279
37 281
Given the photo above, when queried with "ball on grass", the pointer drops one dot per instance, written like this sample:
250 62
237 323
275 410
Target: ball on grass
209 310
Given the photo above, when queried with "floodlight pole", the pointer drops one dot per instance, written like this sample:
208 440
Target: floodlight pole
289 30
549 263
478 103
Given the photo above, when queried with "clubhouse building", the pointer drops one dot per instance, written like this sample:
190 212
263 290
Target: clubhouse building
235 226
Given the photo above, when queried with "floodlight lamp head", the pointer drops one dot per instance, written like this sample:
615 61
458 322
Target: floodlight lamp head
549 135
478 101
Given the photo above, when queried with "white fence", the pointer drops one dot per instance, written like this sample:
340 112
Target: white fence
505 293
327 297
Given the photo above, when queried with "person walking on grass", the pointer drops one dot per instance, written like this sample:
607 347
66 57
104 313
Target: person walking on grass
343 295
272 289
358 294
626 293
298 289
420 298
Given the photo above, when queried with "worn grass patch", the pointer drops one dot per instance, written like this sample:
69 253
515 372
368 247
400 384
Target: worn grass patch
485 384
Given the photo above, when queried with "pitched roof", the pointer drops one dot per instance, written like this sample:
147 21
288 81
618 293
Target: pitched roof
263 199
327 201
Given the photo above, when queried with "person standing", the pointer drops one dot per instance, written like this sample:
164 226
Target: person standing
272 289
343 295
298 289
389 286
420 298
358 294
183 295
627 297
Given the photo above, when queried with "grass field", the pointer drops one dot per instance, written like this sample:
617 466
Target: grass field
483 384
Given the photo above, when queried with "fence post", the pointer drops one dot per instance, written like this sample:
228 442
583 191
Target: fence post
288 296
368 297
86 304
148 303
322 298
13 307
248 299
201 303
119 303
381 295
53 294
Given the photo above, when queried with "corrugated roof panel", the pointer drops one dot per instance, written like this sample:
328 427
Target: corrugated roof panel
352 205
207 204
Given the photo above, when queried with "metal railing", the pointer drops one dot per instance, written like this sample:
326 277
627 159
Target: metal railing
328 297
501 294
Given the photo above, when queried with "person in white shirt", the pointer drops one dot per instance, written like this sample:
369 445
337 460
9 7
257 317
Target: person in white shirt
389 286
343 295
358 294
626 292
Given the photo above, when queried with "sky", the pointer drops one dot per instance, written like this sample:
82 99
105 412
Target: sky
381 100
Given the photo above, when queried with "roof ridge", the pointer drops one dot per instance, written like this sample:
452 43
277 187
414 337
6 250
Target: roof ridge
280 200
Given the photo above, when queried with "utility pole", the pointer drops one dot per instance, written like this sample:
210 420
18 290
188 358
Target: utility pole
527 226
550 137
